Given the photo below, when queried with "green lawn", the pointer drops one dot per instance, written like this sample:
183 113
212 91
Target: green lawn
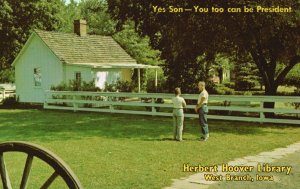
129 151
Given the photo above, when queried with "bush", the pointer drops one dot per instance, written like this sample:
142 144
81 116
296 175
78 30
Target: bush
293 77
248 93
89 86
60 87
245 84
110 87
296 92
229 84
76 86
296 104
211 87
124 86
222 90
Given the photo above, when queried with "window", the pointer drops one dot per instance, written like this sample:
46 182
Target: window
37 77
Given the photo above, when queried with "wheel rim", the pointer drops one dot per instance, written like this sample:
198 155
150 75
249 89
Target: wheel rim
33 151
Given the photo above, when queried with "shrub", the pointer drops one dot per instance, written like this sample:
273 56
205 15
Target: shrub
229 84
74 85
211 87
124 86
60 87
296 104
222 90
293 77
110 87
245 84
89 86
248 93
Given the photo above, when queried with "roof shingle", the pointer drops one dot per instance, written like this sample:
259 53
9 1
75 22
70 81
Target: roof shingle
73 49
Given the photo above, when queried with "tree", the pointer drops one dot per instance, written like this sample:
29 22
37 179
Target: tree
246 74
18 19
138 47
70 12
97 17
270 38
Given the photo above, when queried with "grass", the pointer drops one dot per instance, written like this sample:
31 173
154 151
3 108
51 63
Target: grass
129 151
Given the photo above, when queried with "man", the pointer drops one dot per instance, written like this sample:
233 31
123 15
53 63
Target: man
202 110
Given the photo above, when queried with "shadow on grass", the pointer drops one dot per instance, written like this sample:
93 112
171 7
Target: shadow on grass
61 125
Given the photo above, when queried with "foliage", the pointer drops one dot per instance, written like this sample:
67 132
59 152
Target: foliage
229 84
296 104
89 86
270 39
138 47
119 86
124 86
221 64
69 13
19 18
161 82
60 87
293 78
95 13
74 85
110 87
7 75
246 76
223 90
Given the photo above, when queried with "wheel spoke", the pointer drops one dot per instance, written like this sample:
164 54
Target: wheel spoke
4 174
49 181
26 171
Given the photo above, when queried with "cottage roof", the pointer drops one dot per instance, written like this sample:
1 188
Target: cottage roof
90 49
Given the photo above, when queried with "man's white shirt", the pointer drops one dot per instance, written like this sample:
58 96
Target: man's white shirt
204 93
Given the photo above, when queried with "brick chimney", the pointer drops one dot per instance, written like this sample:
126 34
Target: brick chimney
80 27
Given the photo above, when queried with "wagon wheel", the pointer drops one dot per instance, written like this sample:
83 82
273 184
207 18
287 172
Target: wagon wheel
34 151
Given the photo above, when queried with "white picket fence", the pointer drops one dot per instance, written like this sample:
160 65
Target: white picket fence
221 107
6 93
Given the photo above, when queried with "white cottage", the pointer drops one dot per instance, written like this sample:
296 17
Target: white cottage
49 58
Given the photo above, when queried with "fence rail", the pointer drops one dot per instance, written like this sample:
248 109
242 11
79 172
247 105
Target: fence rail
221 107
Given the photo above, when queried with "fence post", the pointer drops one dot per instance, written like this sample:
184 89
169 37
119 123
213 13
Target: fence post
153 109
74 103
45 99
111 107
261 113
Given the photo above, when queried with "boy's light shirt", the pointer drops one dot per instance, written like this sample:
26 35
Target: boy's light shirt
178 102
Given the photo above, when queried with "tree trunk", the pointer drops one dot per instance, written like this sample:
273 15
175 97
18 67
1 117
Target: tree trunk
220 74
270 91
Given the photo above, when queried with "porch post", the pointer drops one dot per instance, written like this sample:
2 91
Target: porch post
139 80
